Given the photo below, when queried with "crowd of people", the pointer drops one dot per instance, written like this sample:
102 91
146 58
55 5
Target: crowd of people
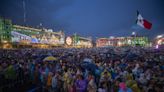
112 69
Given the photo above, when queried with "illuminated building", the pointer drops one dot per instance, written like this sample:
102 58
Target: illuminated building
102 42
28 35
23 36
78 41
122 41
5 32
84 42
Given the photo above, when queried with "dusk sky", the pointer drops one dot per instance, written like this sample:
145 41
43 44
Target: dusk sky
96 18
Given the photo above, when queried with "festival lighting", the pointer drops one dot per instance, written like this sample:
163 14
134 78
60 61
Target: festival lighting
111 37
119 43
129 41
159 36
133 33
4 41
157 46
159 42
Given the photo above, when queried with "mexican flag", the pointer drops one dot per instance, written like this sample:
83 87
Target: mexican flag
143 22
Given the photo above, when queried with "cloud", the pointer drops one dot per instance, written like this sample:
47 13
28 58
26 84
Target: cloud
37 11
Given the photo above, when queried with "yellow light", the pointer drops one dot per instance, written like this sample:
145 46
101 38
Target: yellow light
7 46
4 41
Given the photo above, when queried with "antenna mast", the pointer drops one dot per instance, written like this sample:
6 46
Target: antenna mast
24 11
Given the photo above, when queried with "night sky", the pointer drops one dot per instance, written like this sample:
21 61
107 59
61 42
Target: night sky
96 18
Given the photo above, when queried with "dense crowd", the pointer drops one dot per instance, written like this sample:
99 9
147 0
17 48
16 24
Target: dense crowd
122 69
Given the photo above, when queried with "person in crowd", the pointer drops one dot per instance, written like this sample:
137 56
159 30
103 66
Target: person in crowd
49 81
80 84
54 83
112 69
92 87
102 87
124 88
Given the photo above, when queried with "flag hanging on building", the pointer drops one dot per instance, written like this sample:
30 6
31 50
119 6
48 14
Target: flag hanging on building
142 22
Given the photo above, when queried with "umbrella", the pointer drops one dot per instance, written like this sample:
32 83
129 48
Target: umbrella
50 58
87 60
89 66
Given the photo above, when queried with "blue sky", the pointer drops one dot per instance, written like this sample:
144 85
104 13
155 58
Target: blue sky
96 18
